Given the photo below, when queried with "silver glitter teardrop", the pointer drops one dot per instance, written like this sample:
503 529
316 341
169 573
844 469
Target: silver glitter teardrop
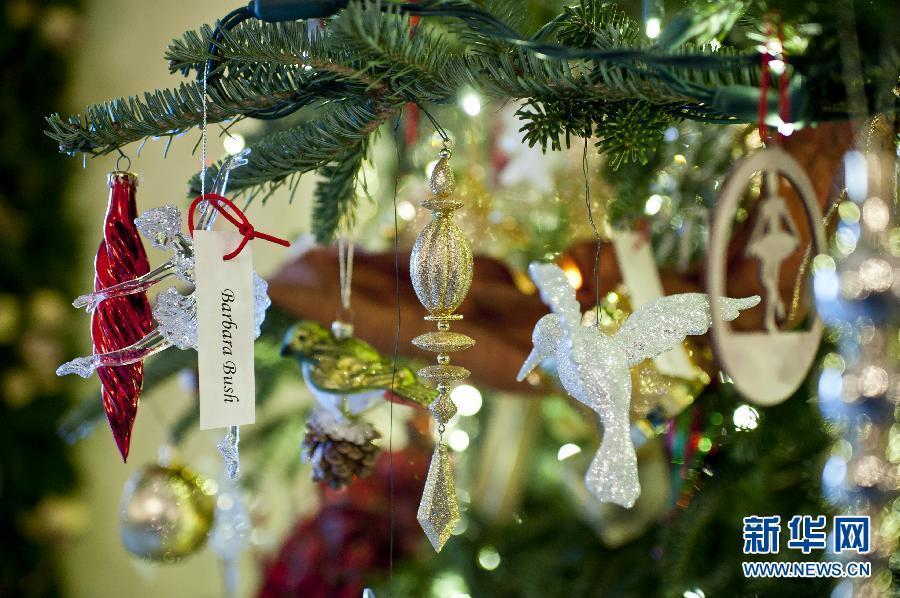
439 511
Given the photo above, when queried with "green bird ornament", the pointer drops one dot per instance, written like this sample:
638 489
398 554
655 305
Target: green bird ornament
346 375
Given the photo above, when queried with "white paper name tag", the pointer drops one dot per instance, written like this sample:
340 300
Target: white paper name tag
224 330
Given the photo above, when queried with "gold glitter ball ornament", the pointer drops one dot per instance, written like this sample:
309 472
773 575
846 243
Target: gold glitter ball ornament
166 513
441 260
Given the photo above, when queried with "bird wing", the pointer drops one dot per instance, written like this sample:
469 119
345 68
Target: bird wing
338 374
663 324
558 294
347 374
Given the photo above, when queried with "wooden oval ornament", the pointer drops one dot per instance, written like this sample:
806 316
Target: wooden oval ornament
767 366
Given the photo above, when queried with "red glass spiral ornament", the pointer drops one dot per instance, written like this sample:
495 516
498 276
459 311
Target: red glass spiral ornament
120 321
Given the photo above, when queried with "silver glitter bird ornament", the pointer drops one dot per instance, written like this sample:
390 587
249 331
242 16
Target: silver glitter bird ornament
594 368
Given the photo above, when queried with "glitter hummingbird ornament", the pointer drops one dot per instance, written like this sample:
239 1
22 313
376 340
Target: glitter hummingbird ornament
594 368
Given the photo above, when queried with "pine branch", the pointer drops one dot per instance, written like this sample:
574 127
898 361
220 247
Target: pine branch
553 124
629 132
415 67
599 25
276 44
369 60
367 43
110 125
337 128
335 195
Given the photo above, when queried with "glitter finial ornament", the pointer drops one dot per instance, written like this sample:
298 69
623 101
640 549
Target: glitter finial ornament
441 271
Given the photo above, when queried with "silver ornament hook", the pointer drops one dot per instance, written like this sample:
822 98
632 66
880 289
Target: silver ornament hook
119 160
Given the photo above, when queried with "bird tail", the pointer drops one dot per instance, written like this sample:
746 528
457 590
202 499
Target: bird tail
613 473
414 393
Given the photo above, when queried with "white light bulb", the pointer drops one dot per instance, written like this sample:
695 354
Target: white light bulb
467 398
567 450
458 440
471 104
406 211
654 203
745 418
234 143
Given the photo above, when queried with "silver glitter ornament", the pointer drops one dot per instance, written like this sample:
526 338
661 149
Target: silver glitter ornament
439 510
595 368
175 314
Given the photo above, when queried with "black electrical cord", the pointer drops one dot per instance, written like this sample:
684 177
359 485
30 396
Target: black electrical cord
289 10
227 23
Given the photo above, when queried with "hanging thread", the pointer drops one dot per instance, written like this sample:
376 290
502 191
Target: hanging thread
597 238
394 362
345 270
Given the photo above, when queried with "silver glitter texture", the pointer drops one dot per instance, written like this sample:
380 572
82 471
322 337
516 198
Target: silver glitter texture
594 367
160 225
439 511
229 449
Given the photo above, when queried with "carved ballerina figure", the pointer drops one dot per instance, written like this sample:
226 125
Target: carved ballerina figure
771 243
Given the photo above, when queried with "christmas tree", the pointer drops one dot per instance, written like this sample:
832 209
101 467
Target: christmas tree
663 161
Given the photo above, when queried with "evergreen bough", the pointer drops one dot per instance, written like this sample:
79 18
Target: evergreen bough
370 60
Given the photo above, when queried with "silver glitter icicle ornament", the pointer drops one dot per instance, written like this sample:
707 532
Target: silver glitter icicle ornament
595 368
441 271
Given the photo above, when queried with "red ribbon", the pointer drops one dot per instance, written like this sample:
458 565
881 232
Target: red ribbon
239 220
784 99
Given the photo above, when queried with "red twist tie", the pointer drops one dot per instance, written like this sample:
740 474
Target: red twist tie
784 100
238 219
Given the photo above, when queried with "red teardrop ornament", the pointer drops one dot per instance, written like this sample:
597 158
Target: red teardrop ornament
120 321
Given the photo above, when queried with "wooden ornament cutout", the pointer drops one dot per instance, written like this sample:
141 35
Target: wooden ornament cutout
767 366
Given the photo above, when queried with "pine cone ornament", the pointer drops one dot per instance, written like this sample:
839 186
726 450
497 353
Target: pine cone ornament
339 450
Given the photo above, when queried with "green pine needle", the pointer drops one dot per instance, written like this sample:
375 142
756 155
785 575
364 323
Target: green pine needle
629 132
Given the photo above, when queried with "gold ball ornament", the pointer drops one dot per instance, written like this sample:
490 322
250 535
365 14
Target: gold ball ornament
166 513
441 261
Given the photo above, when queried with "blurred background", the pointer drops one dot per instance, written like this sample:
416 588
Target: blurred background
707 456
59 57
